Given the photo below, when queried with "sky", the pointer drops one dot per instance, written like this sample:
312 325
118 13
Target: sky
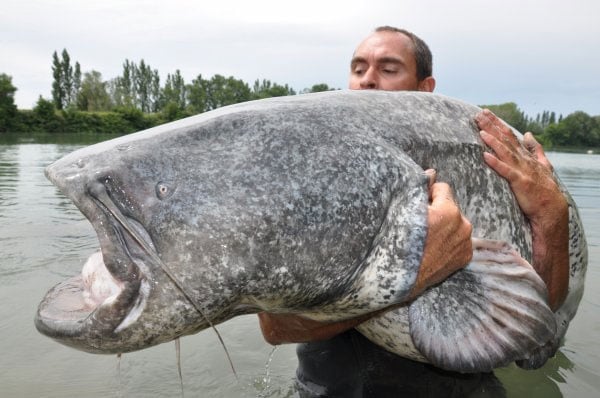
542 55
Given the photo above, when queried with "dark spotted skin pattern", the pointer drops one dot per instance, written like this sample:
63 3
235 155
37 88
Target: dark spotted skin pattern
313 204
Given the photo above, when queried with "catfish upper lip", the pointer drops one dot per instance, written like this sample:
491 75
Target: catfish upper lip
119 236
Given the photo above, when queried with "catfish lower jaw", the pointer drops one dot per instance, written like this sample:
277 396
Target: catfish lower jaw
89 309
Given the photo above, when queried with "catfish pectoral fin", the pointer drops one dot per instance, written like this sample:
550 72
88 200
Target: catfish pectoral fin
487 315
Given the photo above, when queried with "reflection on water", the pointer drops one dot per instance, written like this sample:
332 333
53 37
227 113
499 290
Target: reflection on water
44 239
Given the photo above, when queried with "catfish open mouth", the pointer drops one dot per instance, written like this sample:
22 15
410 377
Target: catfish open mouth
112 289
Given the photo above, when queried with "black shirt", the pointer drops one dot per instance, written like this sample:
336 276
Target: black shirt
351 366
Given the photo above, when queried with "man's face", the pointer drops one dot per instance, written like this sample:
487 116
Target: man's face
385 61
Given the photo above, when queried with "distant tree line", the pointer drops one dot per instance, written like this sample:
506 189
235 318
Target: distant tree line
578 129
133 101
136 100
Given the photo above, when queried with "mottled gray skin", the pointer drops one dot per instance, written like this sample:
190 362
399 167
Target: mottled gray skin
312 204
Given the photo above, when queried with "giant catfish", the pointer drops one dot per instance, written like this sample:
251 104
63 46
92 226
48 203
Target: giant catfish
314 205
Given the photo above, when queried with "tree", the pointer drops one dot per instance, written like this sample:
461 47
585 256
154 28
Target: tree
45 113
222 91
76 84
123 88
511 114
147 85
266 89
93 95
142 83
205 95
577 129
67 80
137 87
174 92
8 109
58 93
197 95
317 88
556 134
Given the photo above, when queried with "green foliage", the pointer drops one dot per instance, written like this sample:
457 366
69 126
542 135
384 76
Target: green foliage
67 80
267 89
556 135
138 86
46 116
172 111
45 119
93 95
511 114
224 91
58 94
205 95
8 109
26 121
123 88
147 83
114 123
577 129
197 95
317 88
82 122
134 117
174 93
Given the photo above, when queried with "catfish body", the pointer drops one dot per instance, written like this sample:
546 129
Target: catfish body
314 205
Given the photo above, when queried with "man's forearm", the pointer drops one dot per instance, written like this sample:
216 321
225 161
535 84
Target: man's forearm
551 253
289 328
529 173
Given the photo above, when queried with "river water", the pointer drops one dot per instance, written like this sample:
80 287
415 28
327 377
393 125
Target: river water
44 239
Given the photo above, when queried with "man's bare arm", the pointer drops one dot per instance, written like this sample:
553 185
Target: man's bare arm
529 174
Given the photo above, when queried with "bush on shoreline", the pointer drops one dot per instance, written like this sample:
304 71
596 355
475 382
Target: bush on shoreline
119 122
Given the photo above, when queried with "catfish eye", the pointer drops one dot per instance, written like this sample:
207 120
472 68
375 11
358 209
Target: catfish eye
164 190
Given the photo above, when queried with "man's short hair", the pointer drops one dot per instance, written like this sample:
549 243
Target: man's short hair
421 51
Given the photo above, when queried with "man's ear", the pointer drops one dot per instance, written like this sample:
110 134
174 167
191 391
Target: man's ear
427 84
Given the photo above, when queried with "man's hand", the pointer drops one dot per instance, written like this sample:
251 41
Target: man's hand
447 249
529 174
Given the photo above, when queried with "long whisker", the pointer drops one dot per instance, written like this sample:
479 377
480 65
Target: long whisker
99 193
178 355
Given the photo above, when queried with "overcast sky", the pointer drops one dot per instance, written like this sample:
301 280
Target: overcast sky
543 55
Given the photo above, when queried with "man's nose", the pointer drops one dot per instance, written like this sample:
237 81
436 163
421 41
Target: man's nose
368 80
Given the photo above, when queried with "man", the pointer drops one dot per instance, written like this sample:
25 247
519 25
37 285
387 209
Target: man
338 361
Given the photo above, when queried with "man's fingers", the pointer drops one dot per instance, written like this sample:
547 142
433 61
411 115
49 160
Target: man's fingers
486 120
431 174
503 169
441 191
536 149
505 153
